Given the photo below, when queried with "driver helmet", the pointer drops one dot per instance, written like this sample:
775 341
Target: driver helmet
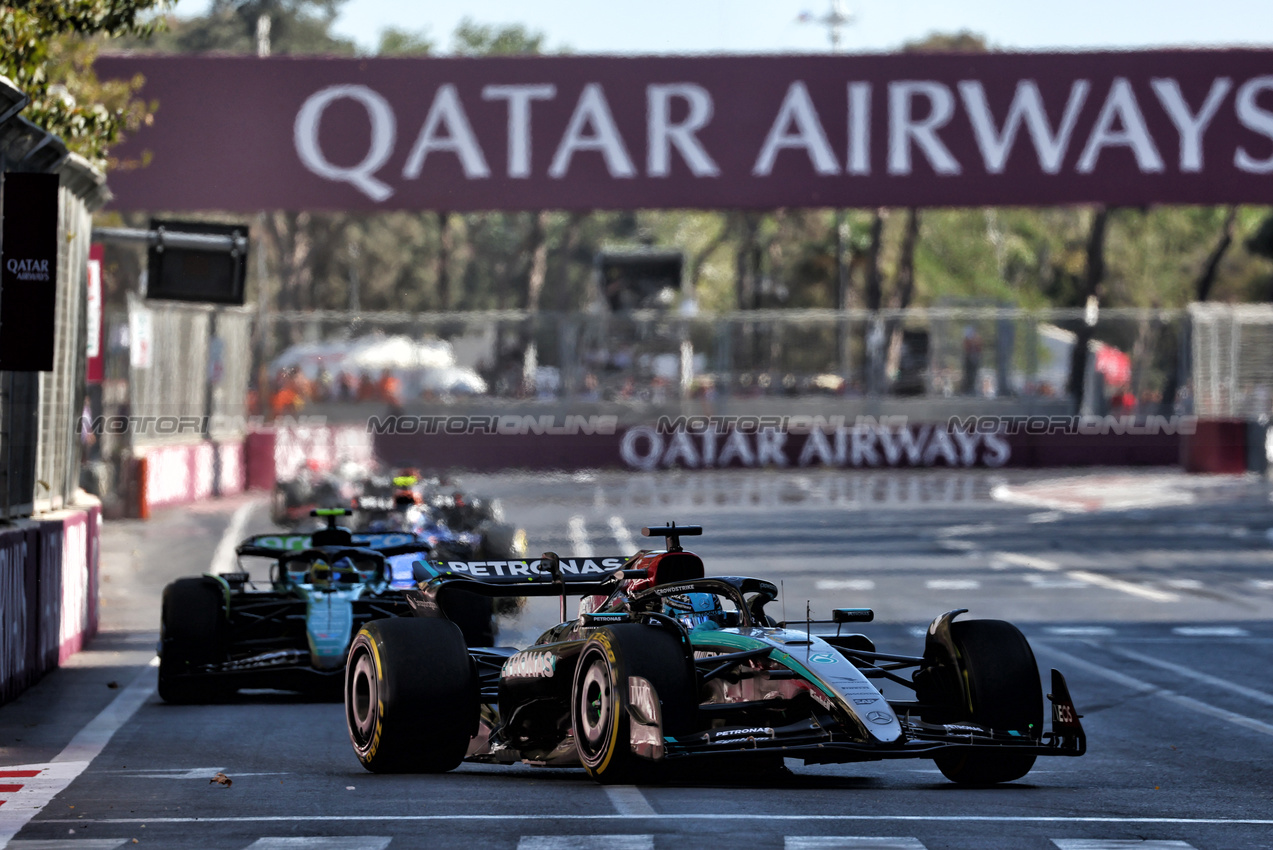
320 572
343 566
695 610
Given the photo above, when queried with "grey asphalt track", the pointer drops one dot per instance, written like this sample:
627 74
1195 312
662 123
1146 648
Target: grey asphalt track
1153 592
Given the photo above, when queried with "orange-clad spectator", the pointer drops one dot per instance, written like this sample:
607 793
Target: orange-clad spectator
390 391
366 388
301 386
285 400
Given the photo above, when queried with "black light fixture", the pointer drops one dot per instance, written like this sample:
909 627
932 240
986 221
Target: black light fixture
12 99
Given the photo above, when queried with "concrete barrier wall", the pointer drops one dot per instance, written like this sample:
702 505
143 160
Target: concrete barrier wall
283 452
181 474
49 577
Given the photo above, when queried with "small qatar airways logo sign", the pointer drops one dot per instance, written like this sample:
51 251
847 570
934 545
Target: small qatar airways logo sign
28 270
648 448
727 131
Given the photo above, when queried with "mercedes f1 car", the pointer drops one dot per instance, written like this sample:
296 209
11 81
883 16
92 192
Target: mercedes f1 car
665 664
220 633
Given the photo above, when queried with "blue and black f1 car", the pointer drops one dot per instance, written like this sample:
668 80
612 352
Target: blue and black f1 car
220 633
665 664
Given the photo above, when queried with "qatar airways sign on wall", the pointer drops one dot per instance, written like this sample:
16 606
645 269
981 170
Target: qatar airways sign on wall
244 134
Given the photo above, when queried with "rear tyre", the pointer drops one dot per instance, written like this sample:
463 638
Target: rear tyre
191 636
599 703
411 696
1002 678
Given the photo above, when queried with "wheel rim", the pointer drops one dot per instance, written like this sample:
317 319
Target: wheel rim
362 699
596 707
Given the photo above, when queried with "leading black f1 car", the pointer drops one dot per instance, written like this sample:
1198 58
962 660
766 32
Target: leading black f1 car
665 664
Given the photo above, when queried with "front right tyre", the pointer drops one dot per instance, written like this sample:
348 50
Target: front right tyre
599 704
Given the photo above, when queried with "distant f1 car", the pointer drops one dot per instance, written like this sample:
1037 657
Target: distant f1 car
665 664
220 633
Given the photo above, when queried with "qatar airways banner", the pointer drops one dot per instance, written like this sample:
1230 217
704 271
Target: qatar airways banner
245 134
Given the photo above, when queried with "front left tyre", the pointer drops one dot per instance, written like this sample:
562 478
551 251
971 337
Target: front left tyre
1003 690
191 637
411 695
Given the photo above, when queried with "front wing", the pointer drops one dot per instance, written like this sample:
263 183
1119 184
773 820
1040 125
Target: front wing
822 739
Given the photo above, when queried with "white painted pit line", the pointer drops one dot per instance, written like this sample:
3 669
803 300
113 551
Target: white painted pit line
1143 687
680 816
628 800
223 558
622 536
952 584
38 791
1086 576
586 842
578 534
322 842
850 842
858 584
1207 679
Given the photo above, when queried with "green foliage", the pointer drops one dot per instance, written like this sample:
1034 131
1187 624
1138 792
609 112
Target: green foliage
964 41
297 27
47 52
474 39
400 42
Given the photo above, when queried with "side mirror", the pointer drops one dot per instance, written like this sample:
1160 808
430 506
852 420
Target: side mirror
852 615
420 572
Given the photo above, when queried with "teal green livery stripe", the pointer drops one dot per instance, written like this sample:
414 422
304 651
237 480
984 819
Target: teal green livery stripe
714 639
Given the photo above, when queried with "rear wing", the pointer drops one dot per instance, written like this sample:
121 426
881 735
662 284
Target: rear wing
529 577
386 542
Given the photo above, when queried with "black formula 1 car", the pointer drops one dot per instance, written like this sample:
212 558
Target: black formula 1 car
220 633
665 664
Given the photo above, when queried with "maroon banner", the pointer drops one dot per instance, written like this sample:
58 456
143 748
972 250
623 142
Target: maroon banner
245 134
644 448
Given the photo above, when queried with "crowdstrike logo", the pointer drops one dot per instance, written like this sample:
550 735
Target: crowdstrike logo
34 270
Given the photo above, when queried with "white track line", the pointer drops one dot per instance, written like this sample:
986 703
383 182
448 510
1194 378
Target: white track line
846 842
329 842
1181 670
1124 586
223 557
586 842
68 844
1146 688
1120 844
578 534
548 818
622 536
88 743
628 800
1096 579
845 584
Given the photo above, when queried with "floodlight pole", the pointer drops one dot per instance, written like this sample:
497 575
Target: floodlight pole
835 20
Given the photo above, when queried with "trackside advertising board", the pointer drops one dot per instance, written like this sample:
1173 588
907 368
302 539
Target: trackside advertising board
245 134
